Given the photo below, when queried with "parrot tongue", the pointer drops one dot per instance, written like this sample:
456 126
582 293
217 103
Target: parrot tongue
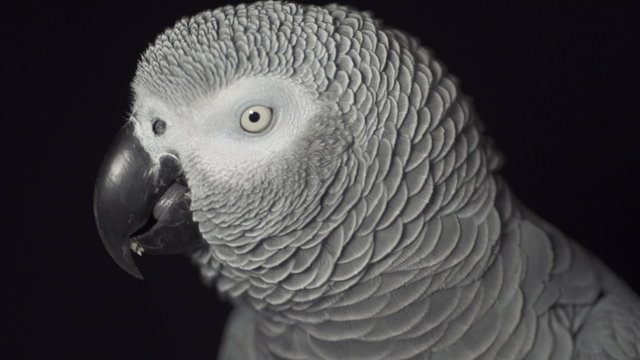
170 229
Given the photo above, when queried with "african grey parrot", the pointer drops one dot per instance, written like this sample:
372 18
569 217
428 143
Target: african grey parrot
326 173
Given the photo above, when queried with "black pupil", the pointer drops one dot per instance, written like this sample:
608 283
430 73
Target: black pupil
254 116
159 127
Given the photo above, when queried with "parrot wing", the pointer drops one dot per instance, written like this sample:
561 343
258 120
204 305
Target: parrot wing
612 327
584 300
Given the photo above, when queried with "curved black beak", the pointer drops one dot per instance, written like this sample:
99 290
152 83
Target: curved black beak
142 206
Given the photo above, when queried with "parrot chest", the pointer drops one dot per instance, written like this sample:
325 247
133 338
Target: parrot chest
510 312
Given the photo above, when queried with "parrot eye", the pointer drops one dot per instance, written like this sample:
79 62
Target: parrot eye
159 127
256 118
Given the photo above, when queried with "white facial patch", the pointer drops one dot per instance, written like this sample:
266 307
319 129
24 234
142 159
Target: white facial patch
223 140
211 126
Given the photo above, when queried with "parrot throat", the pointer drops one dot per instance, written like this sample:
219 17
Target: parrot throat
447 251
413 300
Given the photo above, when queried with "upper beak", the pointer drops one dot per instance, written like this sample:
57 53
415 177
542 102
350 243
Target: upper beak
131 192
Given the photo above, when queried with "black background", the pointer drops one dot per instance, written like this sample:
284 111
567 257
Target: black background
555 84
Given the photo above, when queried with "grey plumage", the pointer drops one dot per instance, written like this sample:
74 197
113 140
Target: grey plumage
378 228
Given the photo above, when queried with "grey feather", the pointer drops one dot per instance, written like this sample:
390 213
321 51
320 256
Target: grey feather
383 230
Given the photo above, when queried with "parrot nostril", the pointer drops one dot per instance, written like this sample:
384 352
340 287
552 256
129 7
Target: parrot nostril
159 127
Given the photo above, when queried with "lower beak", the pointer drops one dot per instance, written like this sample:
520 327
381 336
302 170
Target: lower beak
142 206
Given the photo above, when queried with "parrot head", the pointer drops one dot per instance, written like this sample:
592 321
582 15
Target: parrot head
229 141
288 147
